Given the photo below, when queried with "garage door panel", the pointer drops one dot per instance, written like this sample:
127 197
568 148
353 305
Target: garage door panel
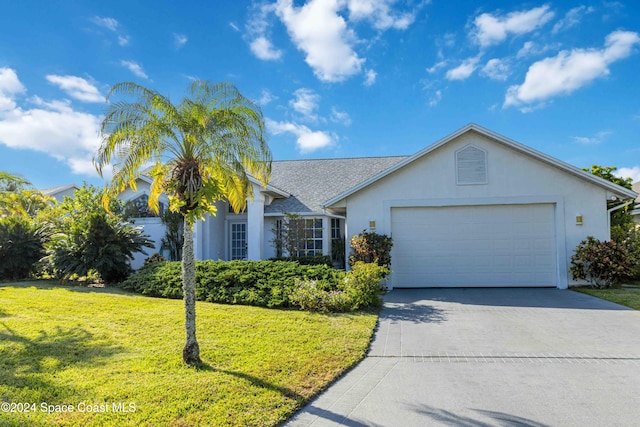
496 245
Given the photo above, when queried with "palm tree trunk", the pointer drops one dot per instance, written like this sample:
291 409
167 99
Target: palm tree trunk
191 351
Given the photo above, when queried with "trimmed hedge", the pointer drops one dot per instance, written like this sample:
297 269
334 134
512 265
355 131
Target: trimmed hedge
260 283
308 260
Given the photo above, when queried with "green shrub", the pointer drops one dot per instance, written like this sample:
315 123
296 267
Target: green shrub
363 284
261 283
21 247
602 264
629 236
154 258
359 288
370 247
308 260
314 296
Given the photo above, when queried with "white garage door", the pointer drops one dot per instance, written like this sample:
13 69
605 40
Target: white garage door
474 246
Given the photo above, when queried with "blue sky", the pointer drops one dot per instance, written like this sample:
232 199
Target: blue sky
335 78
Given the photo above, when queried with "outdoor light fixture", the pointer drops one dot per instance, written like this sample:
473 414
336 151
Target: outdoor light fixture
372 224
578 219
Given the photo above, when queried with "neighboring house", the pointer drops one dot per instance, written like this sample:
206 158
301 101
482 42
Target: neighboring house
636 212
58 193
473 209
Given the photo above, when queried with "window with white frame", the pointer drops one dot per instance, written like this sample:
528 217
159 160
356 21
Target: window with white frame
335 228
313 237
298 237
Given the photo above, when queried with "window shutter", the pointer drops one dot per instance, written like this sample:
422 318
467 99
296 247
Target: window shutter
471 165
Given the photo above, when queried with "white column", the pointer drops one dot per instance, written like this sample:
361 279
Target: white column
326 235
255 226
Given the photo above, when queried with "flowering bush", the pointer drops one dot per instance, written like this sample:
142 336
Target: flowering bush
602 264
360 288
314 296
371 247
363 284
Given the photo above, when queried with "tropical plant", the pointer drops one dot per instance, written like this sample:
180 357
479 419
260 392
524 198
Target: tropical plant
203 149
18 198
21 246
85 237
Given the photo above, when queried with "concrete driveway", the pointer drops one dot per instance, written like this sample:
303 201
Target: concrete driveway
491 357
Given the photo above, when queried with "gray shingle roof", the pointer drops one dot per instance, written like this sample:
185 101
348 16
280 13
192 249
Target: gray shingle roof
313 182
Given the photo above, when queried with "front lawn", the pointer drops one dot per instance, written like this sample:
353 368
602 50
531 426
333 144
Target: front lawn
102 352
629 297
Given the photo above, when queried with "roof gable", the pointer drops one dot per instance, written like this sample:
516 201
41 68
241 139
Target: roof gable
615 189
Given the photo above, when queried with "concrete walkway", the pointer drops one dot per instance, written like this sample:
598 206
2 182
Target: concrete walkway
491 357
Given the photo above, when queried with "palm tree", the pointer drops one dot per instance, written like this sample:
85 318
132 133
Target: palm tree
202 150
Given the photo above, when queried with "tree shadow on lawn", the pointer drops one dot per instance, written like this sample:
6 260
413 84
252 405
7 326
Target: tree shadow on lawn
48 285
27 363
258 382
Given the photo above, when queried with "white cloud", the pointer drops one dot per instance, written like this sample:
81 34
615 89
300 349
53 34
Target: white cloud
632 172
53 127
572 18
234 26
435 99
370 78
9 87
112 25
570 70
379 13
437 66
77 87
264 49
179 40
497 69
338 116
493 29
322 34
592 140
257 32
306 103
123 40
307 140
135 68
106 22
464 70
266 97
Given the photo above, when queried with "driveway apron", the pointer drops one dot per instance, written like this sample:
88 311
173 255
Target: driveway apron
491 357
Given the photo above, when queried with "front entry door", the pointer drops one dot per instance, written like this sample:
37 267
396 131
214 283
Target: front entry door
238 240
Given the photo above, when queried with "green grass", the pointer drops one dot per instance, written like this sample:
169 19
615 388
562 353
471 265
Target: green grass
629 297
68 345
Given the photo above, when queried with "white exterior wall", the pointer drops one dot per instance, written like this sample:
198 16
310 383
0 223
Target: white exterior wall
513 178
153 227
156 230
213 233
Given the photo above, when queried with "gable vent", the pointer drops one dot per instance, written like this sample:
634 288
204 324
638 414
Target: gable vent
471 166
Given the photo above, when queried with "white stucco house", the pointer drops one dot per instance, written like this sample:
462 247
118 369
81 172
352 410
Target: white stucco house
473 209
60 192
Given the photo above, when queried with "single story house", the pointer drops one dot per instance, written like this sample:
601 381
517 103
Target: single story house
61 191
472 209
